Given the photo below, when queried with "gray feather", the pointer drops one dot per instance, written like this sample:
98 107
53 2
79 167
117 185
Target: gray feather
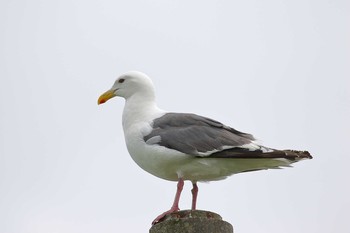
193 134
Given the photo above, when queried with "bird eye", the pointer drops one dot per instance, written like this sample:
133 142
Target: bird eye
121 80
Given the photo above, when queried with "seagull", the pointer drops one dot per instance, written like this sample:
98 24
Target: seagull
185 146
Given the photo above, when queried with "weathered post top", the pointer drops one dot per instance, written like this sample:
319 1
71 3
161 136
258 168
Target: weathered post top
192 221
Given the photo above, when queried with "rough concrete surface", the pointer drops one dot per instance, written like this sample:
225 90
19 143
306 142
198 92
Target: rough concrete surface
188 221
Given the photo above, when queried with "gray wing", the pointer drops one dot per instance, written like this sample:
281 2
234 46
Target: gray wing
196 135
203 137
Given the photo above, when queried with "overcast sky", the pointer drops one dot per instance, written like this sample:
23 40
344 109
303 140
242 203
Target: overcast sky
276 69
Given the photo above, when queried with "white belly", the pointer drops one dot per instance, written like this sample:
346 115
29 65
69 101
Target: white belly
171 165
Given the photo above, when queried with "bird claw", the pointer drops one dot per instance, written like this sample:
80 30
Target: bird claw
161 216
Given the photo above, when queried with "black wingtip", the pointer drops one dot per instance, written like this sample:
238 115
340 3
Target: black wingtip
299 154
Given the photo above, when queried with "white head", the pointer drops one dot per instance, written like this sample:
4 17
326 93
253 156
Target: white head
128 85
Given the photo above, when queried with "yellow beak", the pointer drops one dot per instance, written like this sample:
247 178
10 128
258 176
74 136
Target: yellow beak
106 96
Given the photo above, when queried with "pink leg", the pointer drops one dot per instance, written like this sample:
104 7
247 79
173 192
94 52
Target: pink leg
194 195
175 206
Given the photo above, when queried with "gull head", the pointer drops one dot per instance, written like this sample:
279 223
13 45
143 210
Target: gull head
129 84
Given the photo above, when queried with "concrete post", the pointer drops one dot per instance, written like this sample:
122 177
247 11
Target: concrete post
196 221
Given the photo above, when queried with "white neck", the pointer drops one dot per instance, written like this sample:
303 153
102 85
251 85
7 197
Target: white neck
139 109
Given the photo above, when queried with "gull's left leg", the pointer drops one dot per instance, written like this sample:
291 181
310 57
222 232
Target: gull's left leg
175 206
194 195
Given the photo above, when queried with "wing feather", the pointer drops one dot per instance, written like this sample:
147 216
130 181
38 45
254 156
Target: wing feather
196 135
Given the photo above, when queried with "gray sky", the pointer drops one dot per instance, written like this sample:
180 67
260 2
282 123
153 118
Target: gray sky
276 69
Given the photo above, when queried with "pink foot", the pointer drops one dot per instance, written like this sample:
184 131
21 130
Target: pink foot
175 206
161 216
